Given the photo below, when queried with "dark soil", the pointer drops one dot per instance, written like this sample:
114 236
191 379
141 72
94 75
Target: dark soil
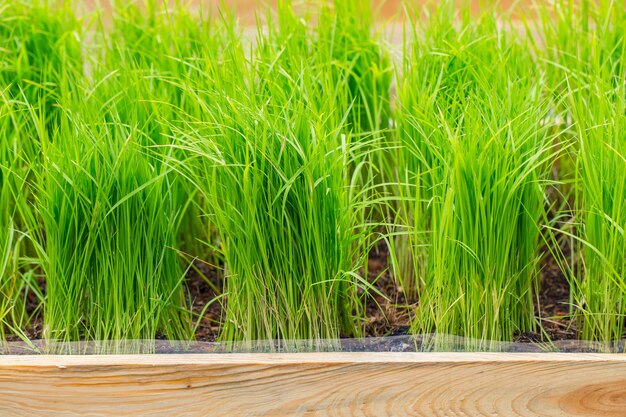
392 316
204 285
388 316
554 303
34 330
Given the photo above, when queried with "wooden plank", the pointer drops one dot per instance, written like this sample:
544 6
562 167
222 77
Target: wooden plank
315 384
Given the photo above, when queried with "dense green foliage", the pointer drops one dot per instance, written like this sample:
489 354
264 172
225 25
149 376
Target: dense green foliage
474 143
141 146
588 72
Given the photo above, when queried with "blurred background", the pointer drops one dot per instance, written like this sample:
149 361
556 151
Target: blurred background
384 9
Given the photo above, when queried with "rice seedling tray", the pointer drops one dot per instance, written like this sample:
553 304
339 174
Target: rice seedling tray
167 174
315 384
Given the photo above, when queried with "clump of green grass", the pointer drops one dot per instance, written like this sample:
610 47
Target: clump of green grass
110 225
599 112
278 170
106 213
475 155
159 60
586 62
39 48
13 276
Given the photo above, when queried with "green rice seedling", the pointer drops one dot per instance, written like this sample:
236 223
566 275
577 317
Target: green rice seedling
476 155
12 275
160 60
273 163
597 100
110 210
275 291
599 111
39 60
417 171
110 226
39 52
285 220
341 44
585 60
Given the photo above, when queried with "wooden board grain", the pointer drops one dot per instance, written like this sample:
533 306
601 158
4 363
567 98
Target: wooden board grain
315 384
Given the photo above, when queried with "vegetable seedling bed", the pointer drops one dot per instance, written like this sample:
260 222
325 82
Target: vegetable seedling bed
315 384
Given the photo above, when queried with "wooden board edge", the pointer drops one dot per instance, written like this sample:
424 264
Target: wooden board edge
301 358
315 384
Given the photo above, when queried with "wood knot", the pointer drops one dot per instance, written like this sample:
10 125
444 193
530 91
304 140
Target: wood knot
607 400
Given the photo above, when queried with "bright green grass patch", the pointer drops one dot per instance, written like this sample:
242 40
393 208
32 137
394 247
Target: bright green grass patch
106 218
110 221
476 155
137 140
587 63
39 49
14 275
278 165
599 112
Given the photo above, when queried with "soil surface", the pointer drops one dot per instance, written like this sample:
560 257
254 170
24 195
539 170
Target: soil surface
204 286
389 315
553 307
